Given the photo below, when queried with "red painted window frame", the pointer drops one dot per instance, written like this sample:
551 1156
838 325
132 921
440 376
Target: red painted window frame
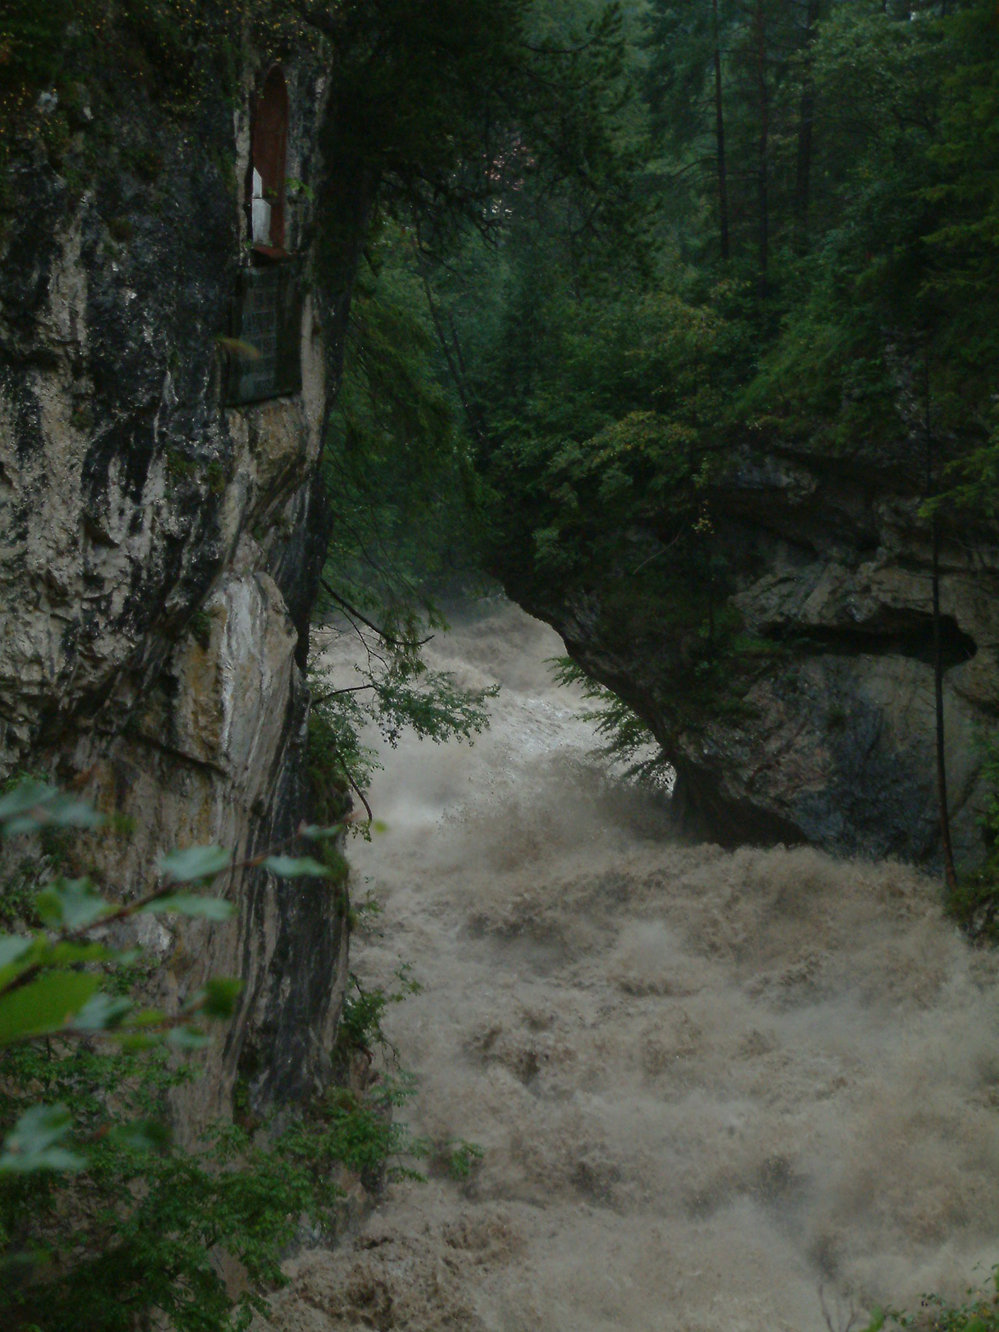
269 156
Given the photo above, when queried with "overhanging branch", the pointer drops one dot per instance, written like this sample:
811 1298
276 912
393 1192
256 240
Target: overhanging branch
354 613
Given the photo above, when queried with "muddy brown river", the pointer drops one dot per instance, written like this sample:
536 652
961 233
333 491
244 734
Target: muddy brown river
745 1092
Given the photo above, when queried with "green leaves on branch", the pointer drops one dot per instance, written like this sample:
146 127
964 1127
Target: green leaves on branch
315 833
44 1006
431 704
217 998
979 1312
70 904
50 983
32 805
12 947
196 862
35 1142
149 1220
296 867
186 904
52 980
85 1068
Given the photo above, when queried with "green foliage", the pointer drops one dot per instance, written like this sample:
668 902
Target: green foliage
68 69
889 286
610 392
99 1209
364 912
459 1158
151 1219
429 703
974 904
361 1032
32 41
397 468
627 739
979 1313
430 100
400 483
363 1010
335 758
466 100
52 980
396 691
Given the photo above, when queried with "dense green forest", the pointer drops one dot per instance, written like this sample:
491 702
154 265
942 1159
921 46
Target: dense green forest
784 224
605 246
769 228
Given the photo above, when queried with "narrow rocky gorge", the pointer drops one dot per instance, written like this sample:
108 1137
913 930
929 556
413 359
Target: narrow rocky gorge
728 1062
163 537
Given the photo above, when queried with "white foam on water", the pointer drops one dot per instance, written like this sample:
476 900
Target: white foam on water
744 1091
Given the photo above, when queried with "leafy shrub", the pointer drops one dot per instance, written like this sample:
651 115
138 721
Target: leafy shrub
974 904
102 1216
363 1011
979 1313
627 739
99 1210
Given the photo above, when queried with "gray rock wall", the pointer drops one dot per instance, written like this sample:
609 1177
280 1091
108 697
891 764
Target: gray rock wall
819 724
160 551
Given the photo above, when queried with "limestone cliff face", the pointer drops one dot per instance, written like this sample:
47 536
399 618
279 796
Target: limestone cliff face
823 727
161 550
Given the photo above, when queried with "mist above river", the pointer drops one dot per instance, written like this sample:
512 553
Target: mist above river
737 1091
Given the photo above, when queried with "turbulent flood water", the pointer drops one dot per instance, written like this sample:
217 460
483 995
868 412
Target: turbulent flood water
726 1091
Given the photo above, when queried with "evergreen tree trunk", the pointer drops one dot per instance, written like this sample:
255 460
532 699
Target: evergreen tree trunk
803 171
720 139
760 50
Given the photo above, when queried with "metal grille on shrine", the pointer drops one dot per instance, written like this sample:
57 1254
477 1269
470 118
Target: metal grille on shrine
264 349
265 356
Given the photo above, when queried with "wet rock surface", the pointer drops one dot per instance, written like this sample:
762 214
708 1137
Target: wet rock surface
830 739
159 550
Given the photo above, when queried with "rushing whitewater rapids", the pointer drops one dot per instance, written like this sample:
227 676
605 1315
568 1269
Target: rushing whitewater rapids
731 1091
